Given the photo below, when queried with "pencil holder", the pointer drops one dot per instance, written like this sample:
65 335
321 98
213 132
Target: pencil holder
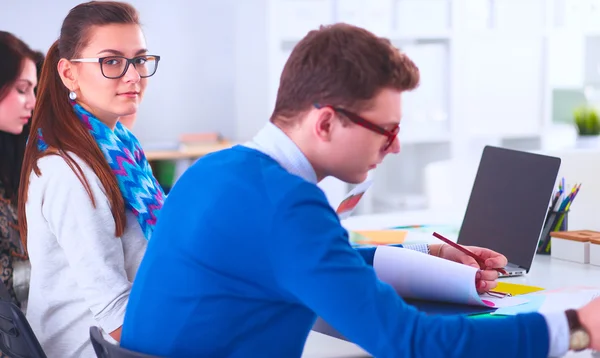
562 221
555 221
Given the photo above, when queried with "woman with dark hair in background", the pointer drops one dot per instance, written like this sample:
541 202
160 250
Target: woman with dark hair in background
18 80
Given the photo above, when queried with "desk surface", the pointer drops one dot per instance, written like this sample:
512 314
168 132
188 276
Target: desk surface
190 153
401 218
551 273
319 345
322 346
545 272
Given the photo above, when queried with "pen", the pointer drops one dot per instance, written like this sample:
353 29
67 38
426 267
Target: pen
499 294
479 260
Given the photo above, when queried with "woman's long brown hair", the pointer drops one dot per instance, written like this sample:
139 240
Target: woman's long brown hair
63 132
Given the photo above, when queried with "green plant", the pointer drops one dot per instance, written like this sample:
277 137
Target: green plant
587 120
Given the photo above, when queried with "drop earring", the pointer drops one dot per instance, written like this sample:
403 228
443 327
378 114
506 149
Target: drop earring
72 95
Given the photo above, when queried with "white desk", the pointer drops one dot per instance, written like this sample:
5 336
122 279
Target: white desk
552 273
400 218
322 346
319 345
545 272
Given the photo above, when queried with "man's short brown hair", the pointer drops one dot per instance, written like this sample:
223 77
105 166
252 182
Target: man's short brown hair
340 65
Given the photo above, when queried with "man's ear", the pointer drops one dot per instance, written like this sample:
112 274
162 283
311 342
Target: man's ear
324 124
68 74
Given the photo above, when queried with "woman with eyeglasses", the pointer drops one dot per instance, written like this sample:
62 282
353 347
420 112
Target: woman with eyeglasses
18 79
88 197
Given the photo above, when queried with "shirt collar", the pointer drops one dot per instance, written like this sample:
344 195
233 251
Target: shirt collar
273 142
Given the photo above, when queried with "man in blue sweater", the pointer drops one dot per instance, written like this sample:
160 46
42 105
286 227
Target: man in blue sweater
248 252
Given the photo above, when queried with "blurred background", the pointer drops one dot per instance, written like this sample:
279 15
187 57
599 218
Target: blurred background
520 74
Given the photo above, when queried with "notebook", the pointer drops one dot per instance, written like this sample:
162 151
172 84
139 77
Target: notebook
415 276
508 204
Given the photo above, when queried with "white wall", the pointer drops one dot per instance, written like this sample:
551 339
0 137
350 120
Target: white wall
194 88
221 61
252 105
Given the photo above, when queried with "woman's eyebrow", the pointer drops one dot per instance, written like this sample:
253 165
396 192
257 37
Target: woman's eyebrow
119 53
25 80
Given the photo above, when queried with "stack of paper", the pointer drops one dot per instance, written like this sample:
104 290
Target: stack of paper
429 278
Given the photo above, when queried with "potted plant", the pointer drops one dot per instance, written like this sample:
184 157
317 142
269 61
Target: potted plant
587 122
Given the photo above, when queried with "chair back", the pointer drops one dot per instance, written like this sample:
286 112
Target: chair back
17 339
105 349
4 294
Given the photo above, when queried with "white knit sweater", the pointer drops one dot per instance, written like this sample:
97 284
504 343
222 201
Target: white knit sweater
81 273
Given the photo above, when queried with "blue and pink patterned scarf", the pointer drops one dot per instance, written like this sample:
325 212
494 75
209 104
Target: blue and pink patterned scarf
142 193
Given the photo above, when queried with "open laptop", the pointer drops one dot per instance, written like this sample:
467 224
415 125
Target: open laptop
508 204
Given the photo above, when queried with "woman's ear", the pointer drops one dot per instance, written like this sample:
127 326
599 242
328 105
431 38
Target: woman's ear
68 74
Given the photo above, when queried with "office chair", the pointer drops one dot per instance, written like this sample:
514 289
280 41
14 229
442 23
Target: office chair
17 339
105 349
4 294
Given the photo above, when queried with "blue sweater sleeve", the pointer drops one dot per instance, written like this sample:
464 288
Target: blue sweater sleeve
368 253
314 263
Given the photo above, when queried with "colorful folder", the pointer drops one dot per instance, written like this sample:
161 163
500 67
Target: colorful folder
378 237
516 289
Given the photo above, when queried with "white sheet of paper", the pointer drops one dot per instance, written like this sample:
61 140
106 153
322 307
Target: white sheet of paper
561 301
347 205
417 275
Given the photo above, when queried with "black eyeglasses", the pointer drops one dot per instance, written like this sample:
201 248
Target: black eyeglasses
355 118
114 67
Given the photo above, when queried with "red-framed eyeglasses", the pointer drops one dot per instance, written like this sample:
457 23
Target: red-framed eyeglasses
355 118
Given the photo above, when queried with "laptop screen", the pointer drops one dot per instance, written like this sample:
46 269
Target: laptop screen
508 203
